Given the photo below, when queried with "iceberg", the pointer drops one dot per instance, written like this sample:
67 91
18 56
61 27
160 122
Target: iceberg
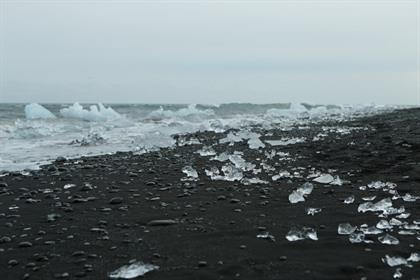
36 111
95 113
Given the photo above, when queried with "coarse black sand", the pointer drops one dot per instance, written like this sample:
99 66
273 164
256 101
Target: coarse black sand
103 222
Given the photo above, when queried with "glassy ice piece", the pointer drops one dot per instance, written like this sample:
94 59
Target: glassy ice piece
403 215
206 151
190 172
240 163
266 236
369 198
231 173
394 261
382 205
68 186
295 234
299 194
395 222
222 157
397 273
346 228
383 224
349 199
370 230
313 211
132 271
296 197
388 239
324 179
337 181
407 232
409 198
414 257
357 237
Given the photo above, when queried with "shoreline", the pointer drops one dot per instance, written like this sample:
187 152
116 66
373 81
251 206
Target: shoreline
102 222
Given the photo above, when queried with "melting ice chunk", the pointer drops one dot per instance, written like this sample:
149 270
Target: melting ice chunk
299 194
388 239
313 211
382 205
231 173
394 261
132 271
206 151
266 236
36 111
324 179
296 234
357 237
349 199
383 224
346 229
68 186
190 172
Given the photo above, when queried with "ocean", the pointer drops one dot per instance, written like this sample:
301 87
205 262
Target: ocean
32 135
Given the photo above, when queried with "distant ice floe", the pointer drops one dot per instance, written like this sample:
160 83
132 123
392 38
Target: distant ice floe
133 270
95 113
191 113
36 111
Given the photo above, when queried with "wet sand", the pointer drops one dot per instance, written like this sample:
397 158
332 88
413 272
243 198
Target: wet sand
104 221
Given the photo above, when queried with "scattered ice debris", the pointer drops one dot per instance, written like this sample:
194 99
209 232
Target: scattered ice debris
132 271
182 140
253 138
36 111
299 194
190 172
68 186
206 151
266 235
285 141
349 199
313 211
388 239
346 229
296 234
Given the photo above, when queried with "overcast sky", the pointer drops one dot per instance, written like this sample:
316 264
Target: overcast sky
209 51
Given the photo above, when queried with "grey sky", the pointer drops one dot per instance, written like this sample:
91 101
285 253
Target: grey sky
209 52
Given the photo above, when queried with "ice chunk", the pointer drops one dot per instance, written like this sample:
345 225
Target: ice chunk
132 271
214 173
313 211
409 198
357 237
324 179
388 239
397 273
68 186
394 261
383 224
231 173
382 205
266 236
190 172
381 185
346 229
240 163
349 199
248 181
296 234
255 143
414 257
222 157
206 151
299 194
285 141
36 111
95 113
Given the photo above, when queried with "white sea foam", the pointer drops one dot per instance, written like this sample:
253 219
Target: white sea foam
95 113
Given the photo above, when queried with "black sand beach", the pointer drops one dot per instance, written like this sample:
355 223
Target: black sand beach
104 221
